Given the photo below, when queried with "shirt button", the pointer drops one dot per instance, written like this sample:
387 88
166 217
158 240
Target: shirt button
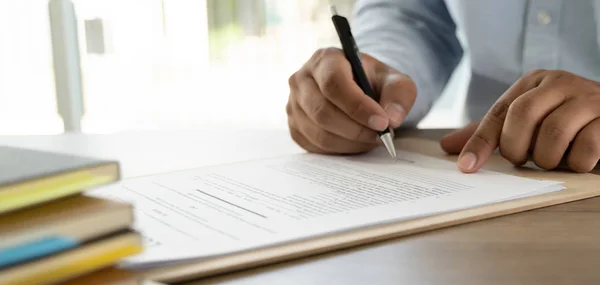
543 18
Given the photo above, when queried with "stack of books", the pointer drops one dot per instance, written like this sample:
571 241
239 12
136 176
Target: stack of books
50 231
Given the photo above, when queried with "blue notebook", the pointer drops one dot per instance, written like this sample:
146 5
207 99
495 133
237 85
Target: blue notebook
36 249
58 226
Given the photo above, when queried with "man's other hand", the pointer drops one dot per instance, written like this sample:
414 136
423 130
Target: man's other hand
328 112
552 117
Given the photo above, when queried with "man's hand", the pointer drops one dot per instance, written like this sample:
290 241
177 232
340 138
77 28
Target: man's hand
329 113
551 116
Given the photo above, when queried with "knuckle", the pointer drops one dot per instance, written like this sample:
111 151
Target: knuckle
591 98
324 53
293 80
589 145
535 72
558 74
553 73
315 60
498 112
293 128
591 85
512 156
556 92
288 108
321 115
297 79
407 84
483 139
361 134
564 78
354 109
291 122
554 131
323 139
328 51
298 139
522 108
294 133
317 54
329 81
586 103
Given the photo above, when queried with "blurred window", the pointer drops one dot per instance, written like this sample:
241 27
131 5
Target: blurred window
158 64
27 96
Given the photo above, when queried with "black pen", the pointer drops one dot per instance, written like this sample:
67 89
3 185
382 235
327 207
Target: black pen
352 54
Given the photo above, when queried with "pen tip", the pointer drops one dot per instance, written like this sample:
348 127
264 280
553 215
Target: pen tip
332 9
389 144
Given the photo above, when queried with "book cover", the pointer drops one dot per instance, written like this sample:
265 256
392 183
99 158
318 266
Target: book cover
29 177
74 263
61 225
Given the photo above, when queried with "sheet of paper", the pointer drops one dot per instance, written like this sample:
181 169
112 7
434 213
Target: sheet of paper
227 208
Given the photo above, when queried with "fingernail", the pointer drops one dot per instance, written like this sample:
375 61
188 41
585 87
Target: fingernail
378 123
396 113
467 161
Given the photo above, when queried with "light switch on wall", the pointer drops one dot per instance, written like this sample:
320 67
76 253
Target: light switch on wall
97 36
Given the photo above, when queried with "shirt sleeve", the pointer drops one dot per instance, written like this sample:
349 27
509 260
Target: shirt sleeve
415 37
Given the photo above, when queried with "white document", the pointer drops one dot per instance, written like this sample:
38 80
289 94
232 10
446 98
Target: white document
222 209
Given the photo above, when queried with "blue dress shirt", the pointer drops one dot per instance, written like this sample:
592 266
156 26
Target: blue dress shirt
504 40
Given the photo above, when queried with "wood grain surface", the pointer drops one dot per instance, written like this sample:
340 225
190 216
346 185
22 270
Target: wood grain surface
553 245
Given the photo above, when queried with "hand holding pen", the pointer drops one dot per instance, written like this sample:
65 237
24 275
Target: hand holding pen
333 109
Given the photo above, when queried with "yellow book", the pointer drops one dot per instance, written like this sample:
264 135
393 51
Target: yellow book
63 224
74 263
29 177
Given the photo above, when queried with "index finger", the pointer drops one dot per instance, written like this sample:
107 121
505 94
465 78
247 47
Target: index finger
486 137
333 75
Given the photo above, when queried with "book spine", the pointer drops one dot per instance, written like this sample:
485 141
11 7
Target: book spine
35 249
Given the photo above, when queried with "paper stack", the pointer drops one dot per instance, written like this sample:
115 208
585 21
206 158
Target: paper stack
223 218
50 231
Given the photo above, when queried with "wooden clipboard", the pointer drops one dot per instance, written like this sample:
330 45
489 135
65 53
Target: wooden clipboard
579 186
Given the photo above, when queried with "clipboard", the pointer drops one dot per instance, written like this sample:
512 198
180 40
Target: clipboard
578 187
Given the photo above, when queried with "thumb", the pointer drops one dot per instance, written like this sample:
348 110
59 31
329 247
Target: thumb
398 94
454 142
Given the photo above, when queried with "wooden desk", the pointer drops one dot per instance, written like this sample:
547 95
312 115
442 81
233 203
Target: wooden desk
554 245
